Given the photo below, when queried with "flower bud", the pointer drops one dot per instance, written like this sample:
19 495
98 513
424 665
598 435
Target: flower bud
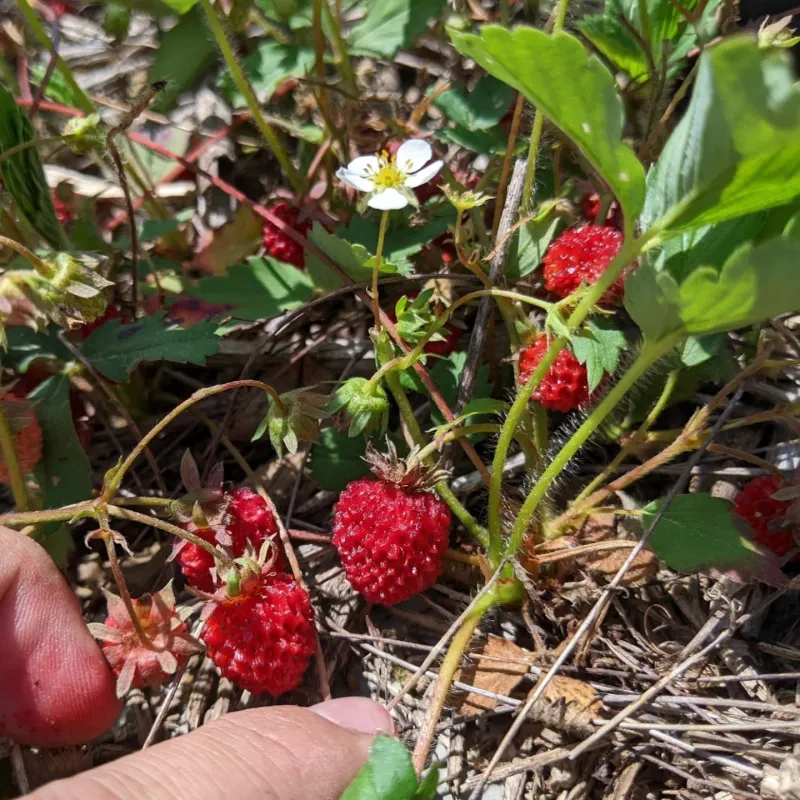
364 404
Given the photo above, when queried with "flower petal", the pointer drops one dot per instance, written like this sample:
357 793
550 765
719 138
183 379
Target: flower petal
424 175
388 200
413 155
355 181
365 165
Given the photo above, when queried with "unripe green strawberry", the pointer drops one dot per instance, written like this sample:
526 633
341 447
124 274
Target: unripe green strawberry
363 403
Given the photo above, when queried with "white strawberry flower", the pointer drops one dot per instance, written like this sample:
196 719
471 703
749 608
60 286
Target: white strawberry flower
388 180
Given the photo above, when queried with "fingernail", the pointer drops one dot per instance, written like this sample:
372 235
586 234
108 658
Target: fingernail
358 714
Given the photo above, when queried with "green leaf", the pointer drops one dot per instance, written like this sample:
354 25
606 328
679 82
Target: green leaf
26 346
152 229
529 246
428 785
737 149
391 25
268 66
482 108
573 89
63 473
755 284
185 53
598 345
699 531
336 459
387 775
260 289
116 350
352 258
400 243
23 175
493 141
181 6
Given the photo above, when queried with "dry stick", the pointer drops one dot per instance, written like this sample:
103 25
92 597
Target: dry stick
123 126
603 600
431 657
496 267
118 405
506 168
663 682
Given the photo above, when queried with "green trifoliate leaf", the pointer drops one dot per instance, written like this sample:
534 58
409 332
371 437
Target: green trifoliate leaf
598 346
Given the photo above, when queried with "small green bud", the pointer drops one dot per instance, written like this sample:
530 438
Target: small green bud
365 405
464 201
84 134
777 34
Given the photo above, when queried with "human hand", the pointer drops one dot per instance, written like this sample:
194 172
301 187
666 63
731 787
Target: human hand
56 689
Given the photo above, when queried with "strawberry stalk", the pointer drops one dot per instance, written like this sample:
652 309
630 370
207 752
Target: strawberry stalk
16 478
376 270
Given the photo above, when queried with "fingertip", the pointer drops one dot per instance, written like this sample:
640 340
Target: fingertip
358 714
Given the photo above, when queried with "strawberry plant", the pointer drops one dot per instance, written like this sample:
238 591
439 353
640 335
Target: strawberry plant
540 256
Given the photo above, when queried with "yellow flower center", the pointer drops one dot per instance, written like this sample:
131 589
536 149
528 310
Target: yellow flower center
388 175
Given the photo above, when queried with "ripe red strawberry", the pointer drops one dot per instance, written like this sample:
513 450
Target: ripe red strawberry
581 255
564 387
248 520
27 434
764 513
590 205
278 244
138 663
264 638
391 534
63 210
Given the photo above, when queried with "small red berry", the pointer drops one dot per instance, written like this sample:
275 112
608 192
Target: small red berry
278 244
263 639
248 521
26 432
564 387
390 533
581 255
63 210
138 663
590 205
755 505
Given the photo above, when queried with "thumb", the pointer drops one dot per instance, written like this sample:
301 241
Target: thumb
277 753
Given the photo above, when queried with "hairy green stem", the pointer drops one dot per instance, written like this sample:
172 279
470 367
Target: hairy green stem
80 99
627 254
32 258
168 527
12 465
342 58
6 154
376 270
650 353
635 440
407 413
112 486
122 587
49 514
243 85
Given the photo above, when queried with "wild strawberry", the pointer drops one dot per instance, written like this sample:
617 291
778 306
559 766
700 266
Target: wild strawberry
756 505
63 210
581 255
248 520
27 434
392 533
278 244
263 639
565 385
590 206
138 663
